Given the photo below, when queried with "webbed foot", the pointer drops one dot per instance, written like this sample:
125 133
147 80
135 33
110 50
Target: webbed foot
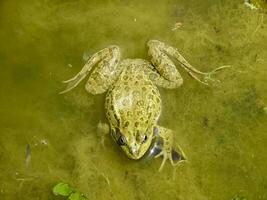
166 150
161 55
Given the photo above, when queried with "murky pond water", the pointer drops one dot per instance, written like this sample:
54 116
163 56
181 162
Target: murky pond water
46 138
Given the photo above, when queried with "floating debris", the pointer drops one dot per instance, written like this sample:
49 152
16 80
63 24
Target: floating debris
27 156
238 197
44 141
205 121
265 109
256 4
69 65
177 25
250 5
22 177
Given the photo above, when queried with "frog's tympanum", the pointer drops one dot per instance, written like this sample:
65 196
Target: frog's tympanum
133 102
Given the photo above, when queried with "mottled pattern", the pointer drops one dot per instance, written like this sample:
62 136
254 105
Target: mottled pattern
133 103
133 106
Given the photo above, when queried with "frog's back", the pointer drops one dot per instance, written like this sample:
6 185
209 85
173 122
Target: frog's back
133 95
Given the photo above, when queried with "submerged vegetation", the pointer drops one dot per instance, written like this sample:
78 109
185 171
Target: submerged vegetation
257 5
64 190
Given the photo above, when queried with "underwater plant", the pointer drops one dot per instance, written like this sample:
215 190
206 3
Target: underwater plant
64 190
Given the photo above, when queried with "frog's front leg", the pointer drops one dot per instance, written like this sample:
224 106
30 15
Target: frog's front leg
160 53
102 76
103 130
167 151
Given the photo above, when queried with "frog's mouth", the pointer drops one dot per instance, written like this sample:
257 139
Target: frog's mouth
135 153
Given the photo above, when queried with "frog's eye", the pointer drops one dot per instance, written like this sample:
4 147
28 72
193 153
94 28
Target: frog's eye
121 140
144 139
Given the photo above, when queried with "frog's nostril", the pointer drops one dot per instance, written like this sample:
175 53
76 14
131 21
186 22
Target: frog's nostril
134 150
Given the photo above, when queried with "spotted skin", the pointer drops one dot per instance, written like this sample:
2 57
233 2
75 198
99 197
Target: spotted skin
133 102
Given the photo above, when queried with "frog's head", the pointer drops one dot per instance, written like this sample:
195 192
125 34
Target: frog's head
134 143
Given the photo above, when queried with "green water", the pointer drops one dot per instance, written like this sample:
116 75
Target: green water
222 129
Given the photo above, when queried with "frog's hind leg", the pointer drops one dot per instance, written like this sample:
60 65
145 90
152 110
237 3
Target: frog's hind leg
160 53
102 76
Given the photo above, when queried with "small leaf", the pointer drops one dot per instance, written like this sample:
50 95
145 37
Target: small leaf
75 196
62 189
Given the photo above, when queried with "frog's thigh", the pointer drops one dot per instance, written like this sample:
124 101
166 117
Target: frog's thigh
164 65
161 81
104 73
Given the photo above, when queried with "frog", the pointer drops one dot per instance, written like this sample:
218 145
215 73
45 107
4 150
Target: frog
133 102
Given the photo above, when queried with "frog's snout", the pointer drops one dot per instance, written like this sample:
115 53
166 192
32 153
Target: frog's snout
135 152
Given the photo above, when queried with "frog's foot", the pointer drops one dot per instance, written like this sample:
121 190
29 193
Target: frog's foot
160 53
168 153
207 79
103 130
102 76
173 156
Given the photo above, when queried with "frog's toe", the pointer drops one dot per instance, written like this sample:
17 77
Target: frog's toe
159 154
174 157
166 156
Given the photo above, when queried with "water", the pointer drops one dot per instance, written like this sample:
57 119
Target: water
222 129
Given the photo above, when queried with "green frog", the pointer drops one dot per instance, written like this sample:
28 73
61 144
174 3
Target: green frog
133 102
